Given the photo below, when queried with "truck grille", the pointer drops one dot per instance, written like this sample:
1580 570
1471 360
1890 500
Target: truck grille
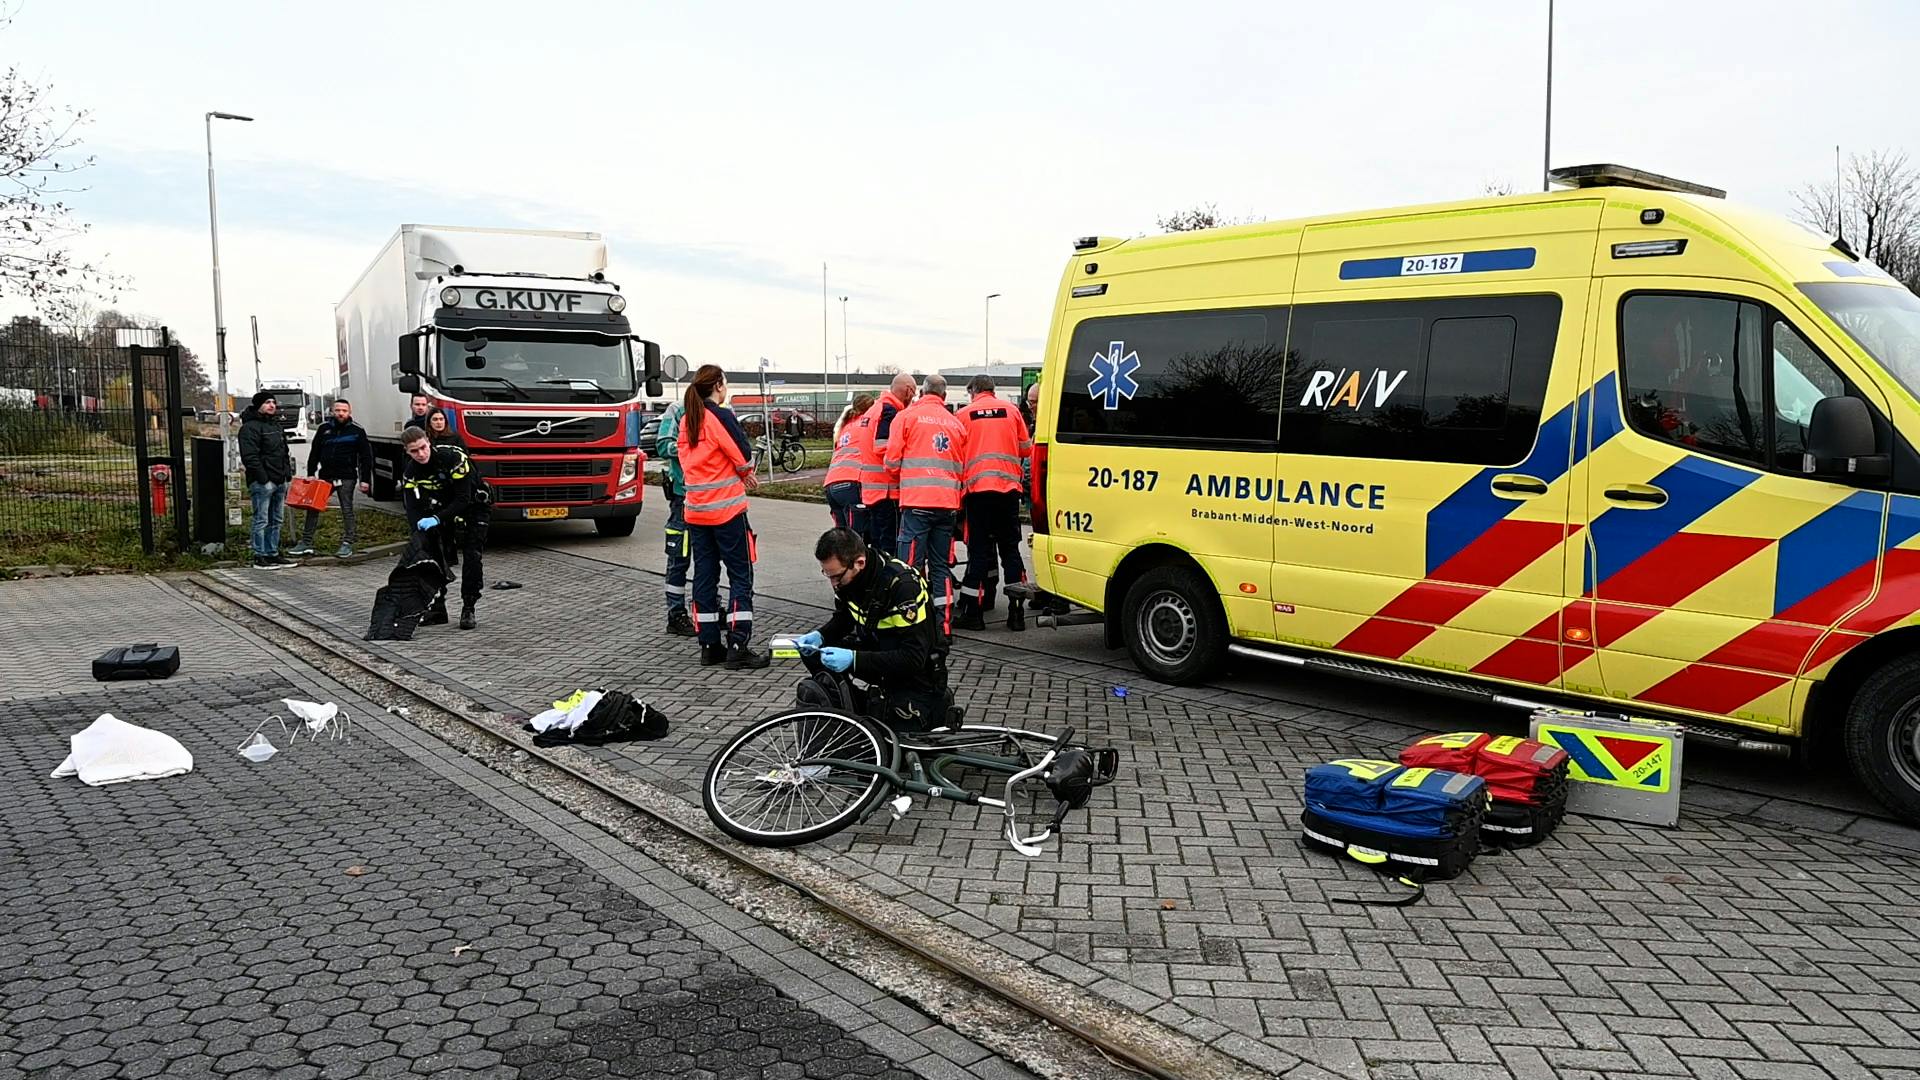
525 429
516 494
512 469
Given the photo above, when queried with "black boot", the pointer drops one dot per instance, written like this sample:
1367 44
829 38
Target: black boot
680 624
967 616
987 593
743 658
712 654
1016 615
467 621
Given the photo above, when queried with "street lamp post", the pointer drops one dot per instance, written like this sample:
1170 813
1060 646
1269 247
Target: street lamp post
986 343
219 314
846 354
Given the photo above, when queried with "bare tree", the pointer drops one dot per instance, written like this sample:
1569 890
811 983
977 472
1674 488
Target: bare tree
1875 205
1202 216
1496 187
37 227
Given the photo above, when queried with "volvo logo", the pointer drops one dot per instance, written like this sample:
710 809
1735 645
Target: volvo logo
544 427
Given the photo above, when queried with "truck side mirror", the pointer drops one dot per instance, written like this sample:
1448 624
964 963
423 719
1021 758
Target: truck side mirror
1840 441
410 354
652 367
408 384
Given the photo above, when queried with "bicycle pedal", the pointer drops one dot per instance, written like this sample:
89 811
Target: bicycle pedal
899 807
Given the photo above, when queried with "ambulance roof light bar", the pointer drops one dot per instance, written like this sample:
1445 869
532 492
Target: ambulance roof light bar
1579 176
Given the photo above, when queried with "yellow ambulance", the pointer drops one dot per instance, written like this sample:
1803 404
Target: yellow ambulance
1622 442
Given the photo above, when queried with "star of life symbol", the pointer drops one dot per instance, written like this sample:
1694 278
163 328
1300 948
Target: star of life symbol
1113 375
942 443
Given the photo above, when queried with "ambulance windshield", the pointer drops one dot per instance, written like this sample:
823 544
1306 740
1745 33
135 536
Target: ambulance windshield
1885 322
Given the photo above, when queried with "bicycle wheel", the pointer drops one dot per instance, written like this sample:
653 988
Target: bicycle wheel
793 458
757 790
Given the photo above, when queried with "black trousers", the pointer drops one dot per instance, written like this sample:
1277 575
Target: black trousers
465 541
993 529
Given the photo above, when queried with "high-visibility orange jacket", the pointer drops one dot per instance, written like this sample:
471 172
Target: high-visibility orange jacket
998 444
714 467
845 465
873 435
927 456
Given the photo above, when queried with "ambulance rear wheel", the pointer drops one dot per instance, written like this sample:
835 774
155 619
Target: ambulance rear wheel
1174 627
1882 736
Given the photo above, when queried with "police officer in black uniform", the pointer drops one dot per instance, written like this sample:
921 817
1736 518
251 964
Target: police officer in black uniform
883 632
442 492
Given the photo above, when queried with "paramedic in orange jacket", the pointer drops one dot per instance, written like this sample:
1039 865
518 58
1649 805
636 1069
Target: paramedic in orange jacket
879 493
926 458
999 448
714 458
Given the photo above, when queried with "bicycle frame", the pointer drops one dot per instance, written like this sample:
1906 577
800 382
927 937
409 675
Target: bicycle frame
920 769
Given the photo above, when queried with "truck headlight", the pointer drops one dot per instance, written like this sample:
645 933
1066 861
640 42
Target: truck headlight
629 468
616 303
449 297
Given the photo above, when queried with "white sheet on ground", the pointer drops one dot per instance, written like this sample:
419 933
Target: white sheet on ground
112 751
570 718
315 714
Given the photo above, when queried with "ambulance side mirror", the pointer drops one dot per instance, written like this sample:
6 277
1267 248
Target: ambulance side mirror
1841 442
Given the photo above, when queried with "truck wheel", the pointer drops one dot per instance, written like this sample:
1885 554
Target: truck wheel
1882 736
1173 625
615 526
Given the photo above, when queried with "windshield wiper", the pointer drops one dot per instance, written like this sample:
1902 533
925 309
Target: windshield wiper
610 395
508 383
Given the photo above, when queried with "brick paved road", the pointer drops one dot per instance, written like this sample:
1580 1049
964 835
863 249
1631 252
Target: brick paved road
1730 947
207 924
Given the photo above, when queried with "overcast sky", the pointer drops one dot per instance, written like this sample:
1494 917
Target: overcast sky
929 155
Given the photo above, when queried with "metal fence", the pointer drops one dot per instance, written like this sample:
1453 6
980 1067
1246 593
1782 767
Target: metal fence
71 430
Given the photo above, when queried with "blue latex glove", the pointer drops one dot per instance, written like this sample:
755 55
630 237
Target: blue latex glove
426 523
810 640
836 659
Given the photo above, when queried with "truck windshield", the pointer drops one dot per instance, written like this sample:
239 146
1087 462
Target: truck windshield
542 366
1885 322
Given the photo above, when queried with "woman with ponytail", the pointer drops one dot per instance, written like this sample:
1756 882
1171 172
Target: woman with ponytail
714 455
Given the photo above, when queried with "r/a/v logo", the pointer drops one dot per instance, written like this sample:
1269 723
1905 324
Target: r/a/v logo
1379 384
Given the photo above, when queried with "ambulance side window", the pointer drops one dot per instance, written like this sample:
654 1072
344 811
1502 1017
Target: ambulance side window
1457 380
1800 379
1692 373
1179 379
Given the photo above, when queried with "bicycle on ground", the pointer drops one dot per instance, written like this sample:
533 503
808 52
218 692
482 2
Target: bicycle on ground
805 774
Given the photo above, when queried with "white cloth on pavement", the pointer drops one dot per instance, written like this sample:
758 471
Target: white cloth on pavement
112 751
316 715
567 719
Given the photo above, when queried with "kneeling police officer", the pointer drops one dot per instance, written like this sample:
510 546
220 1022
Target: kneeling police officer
883 631
443 492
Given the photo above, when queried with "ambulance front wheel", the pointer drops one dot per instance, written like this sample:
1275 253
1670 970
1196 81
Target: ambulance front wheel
1883 736
1173 624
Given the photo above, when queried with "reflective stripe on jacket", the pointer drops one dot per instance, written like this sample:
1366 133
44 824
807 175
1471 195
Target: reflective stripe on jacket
998 445
845 465
712 467
872 437
927 453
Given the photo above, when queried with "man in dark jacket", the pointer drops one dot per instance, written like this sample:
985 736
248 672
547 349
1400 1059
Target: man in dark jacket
444 493
263 451
418 409
342 455
883 632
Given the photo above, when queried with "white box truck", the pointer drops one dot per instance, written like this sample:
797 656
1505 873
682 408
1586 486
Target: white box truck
518 336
